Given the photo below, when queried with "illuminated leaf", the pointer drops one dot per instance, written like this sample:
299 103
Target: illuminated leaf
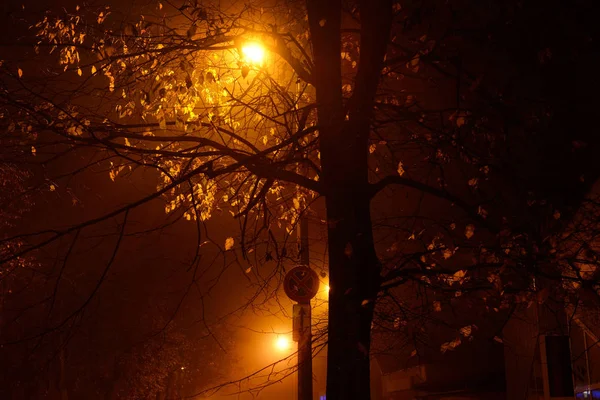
20 72
450 345
466 331
102 16
229 243
447 253
33 150
469 231
413 64
459 275
93 69
400 169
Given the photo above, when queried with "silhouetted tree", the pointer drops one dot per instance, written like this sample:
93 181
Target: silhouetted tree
447 143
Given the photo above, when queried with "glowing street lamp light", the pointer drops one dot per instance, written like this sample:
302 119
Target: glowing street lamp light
253 53
282 343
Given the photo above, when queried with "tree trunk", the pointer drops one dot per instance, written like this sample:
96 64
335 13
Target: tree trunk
354 269
354 273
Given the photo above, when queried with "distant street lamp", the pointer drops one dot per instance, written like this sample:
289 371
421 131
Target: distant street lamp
282 343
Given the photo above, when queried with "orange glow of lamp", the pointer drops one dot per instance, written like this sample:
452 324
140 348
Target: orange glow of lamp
282 343
253 53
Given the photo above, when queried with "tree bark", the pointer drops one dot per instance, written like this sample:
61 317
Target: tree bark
354 270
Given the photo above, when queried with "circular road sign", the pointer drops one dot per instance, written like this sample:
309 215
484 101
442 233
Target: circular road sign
301 284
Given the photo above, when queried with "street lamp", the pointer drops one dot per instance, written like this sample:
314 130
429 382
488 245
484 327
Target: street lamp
253 53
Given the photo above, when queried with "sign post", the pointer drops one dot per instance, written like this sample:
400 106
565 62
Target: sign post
301 284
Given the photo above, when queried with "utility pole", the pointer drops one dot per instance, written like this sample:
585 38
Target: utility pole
301 285
305 384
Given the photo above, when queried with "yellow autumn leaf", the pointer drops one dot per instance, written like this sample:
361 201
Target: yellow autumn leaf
93 69
447 253
458 275
450 345
229 243
33 150
20 72
79 72
400 169
466 331
469 231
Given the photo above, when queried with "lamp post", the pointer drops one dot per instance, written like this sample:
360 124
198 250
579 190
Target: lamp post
301 283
